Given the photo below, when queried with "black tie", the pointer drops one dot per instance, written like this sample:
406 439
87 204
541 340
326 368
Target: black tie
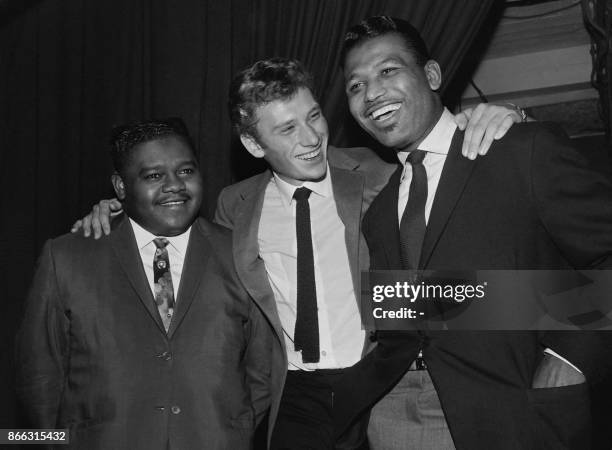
306 336
412 225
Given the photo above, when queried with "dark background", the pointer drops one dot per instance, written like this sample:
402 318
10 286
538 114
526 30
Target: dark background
72 69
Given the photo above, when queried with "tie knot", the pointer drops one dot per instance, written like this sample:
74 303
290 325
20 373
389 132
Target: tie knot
302 193
416 157
161 242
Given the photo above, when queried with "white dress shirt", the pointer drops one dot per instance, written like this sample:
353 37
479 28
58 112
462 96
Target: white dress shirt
341 337
177 248
436 144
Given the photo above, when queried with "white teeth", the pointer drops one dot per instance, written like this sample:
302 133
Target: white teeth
173 203
311 155
384 110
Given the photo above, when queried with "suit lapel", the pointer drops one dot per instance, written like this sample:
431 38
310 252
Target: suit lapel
124 245
348 193
249 266
455 174
196 259
382 221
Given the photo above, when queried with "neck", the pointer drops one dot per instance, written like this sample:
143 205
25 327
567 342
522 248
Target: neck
435 117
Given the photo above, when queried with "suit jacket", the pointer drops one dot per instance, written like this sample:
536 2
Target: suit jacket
357 176
93 355
531 203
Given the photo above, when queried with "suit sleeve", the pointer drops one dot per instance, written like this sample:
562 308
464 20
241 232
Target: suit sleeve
42 346
574 203
222 213
258 363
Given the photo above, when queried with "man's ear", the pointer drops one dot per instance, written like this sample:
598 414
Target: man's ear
251 144
118 185
433 74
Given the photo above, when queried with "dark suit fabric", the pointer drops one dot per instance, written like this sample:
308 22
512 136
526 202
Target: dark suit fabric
529 204
357 176
93 355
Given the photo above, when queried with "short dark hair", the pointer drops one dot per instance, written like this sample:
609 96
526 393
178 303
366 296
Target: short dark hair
263 82
380 26
125 137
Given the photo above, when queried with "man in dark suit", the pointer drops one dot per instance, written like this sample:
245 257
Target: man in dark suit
530 204
146 339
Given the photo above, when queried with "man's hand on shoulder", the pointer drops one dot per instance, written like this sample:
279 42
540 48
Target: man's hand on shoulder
554 372
483 124
98 220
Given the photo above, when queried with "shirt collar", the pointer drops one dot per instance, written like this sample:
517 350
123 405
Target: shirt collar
439 138
144 238
322 187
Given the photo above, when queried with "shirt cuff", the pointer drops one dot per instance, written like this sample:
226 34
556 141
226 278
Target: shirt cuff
556 355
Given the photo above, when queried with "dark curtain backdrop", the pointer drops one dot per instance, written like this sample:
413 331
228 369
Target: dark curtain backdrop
71 69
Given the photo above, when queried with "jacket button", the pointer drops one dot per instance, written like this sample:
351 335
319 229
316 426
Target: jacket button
167 356
175 410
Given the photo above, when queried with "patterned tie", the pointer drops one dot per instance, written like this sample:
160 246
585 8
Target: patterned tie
412 225
164 292
306 335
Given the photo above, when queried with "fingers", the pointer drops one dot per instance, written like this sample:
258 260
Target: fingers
487 123
462 118
491 131
115 205
95 222
473 133
76 226
86 223
507 122
104 213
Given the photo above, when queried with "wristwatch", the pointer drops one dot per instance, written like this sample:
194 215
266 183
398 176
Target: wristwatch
521 112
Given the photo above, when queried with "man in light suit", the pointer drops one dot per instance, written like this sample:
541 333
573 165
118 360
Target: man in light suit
532 203
146 339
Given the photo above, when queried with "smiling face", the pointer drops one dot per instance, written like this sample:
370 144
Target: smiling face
160 186
389 94
292 137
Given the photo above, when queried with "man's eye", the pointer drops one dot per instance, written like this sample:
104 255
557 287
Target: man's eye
355 87
153 176
188 171
388 70
287 130
315 115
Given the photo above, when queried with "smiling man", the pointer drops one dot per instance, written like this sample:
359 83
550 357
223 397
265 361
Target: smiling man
145 339
531 203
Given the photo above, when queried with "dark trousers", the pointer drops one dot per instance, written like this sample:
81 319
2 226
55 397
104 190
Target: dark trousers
305 415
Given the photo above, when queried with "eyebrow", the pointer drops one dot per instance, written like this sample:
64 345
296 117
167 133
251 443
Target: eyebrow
183 162
316 107
283 124
390 59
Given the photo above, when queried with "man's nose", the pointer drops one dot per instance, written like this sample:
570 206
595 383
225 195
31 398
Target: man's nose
174 183
374 90
309 137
